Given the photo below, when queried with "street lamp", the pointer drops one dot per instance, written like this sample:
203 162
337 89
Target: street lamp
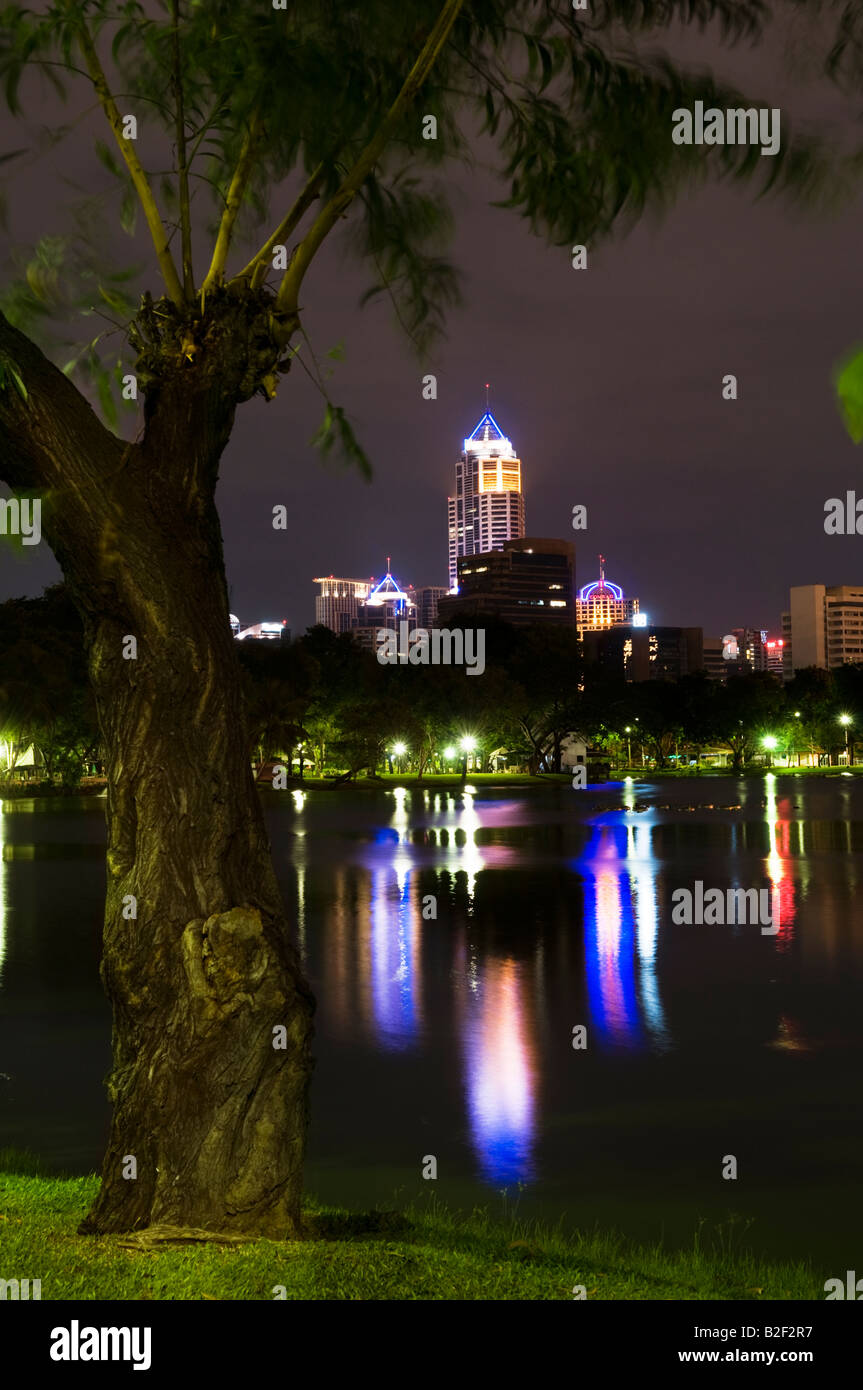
468 744
449 754
628 731
770 742
847 721
399 749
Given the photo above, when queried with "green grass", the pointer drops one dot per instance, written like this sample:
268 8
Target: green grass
504 780
424 1252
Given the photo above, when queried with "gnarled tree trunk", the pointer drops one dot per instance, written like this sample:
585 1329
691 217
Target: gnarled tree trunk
212 1016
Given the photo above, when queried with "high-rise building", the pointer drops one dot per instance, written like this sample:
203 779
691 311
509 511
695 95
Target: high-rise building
265 632
528 581
744 650
643 653
337 605
427 598
774 648
823 627
386 605
488 507
600 604
741 650
713 664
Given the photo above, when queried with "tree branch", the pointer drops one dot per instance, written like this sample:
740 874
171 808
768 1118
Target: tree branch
256 269
139 177
182 166
288 296
233 202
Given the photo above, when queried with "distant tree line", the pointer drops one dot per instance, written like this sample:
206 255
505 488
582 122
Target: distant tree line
325 703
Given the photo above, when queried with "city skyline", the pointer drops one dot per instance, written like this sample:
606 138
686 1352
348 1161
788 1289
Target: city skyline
673 307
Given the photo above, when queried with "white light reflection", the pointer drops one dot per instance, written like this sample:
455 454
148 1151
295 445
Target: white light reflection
642 875
782 909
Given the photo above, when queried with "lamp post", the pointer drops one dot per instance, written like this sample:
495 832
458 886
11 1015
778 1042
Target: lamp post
628 731
399 749
769 742
846 721
468 744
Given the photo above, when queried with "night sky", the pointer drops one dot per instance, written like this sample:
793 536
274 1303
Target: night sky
608 382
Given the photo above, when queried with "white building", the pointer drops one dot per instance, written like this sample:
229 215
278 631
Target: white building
337 605
265 632
823 627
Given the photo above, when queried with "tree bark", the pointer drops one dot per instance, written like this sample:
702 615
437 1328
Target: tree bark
196 960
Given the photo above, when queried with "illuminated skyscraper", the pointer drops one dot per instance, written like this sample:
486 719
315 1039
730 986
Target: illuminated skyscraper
601 604
488 506
337 605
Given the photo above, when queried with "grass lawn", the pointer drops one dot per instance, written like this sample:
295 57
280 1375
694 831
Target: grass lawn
424 1252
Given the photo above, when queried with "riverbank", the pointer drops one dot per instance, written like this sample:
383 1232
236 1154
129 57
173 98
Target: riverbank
500 781
423 1252
503 781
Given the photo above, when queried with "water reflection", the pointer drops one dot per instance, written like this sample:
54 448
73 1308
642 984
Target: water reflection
500 1072
455 937
780 821
392 960
617 895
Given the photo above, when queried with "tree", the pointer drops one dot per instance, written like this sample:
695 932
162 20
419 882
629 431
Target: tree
331 96
746 708
545 663
44 695
660 716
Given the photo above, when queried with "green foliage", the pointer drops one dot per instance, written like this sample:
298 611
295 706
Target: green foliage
63 280
848 380
576 116
44 694
9 373
403 226
332 695
336 435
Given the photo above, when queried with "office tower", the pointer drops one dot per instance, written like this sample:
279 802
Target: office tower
744 649
774 650
713 664
337 604
600 604
387 605
823 627
529 581
427 598
642 653
488 507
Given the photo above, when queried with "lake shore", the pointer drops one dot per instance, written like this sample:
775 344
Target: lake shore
425 1251
499 781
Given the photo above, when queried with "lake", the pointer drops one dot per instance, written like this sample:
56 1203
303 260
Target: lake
455 939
